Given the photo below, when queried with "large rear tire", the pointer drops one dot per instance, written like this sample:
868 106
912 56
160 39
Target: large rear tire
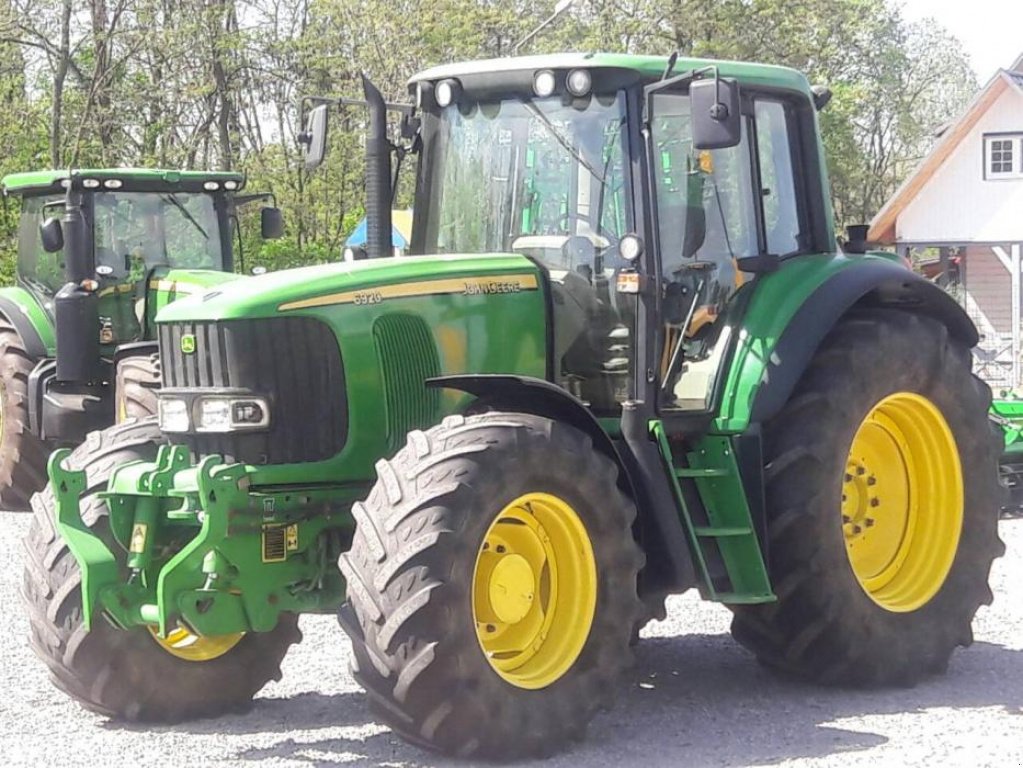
492 586
131 674
22 454
882 503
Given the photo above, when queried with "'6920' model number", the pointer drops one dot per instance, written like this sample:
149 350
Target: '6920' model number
369 297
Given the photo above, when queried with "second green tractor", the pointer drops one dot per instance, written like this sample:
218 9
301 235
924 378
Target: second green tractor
100 251
628 361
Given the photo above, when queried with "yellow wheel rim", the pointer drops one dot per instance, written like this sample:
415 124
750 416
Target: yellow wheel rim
534 590
191 647
902 502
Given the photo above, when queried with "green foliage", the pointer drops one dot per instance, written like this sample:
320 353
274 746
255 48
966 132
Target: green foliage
215 83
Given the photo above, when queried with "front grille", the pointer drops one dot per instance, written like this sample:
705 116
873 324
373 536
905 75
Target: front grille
294 361
407 357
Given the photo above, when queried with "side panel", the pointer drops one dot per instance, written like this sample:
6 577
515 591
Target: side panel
793 309
32 321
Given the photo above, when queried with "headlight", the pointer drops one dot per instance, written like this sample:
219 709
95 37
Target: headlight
173 415
579 82
231 414
544 83
213 415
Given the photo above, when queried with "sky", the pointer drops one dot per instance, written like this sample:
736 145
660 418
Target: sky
991 30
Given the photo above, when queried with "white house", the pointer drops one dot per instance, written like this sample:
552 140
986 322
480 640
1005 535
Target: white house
966 199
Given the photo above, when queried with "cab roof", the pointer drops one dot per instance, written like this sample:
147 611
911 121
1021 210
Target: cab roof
132 180
645 67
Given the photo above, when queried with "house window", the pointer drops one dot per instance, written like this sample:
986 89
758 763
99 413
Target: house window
1003 156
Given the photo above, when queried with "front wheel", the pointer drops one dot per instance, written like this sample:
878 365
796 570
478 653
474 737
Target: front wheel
132 674
882 506
492 586
137 380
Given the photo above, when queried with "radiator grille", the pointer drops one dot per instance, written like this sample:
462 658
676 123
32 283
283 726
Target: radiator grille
295 361
407 357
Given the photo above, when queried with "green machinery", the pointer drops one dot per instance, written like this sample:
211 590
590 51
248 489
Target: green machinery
627 361
76 331
1007 413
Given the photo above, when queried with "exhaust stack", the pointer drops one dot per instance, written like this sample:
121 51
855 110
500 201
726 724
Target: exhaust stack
378 175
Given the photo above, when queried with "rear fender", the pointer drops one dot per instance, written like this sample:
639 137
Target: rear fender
796 307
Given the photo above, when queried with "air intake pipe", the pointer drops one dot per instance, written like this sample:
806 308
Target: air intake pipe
76 306
378 175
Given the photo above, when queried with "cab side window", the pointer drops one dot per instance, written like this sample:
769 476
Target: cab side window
43 271
778 187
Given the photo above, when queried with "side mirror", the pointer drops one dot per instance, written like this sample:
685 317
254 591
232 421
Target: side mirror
717 123
314 138
51 233
271 223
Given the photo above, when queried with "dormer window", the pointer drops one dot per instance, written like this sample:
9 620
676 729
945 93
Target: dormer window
1003 156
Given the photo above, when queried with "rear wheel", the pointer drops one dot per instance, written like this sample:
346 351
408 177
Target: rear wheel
22 454
132 674
492 586
138 378
882 501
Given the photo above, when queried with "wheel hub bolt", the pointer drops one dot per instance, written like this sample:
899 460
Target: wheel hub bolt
869 522
871 480
875 502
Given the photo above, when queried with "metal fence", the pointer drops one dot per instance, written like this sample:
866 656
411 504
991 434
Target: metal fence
986 290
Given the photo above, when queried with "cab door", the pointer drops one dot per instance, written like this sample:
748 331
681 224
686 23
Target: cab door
714 211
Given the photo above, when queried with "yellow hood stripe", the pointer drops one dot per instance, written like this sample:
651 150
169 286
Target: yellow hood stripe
468 286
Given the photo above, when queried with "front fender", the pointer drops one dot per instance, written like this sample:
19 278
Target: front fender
21 308
793 309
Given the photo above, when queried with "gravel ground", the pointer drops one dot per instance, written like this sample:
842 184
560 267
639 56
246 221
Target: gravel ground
695 697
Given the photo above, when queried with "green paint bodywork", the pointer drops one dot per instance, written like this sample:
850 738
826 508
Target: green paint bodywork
1008 413
777 297
464 328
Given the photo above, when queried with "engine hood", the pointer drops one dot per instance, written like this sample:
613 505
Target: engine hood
294 290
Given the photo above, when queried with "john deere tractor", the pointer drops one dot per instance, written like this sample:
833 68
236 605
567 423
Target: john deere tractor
628 361
77 343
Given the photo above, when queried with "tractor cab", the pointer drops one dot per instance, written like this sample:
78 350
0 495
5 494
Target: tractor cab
99 252
649 192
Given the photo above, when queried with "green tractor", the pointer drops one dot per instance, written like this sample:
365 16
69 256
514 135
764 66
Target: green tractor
77 344
1007 414
627 361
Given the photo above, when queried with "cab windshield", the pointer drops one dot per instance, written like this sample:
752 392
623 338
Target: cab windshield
139 231
543 177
